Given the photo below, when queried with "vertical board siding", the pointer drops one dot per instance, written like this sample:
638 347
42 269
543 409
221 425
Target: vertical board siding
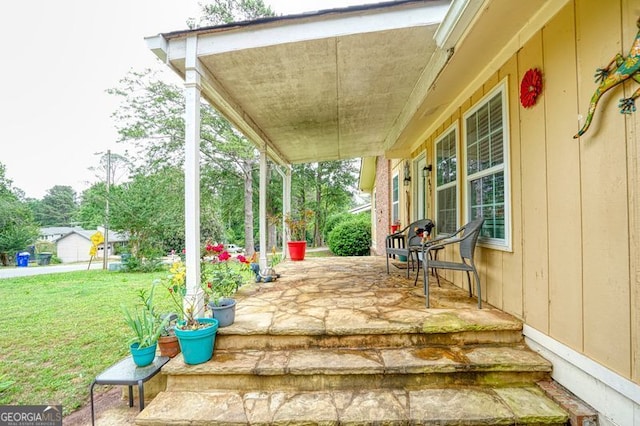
631 14
604 209
512 284
563 172
534 197
574 269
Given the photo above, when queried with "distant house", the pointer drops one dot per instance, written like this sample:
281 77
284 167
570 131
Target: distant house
75 246
52 233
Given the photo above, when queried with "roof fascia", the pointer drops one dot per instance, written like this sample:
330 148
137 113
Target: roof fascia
171 47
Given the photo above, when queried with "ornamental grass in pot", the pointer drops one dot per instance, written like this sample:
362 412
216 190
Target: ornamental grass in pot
146 325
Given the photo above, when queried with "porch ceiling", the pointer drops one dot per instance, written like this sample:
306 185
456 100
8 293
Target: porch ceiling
354 82
321 86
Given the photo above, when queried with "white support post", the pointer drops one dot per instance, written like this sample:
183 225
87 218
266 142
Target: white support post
263 210
286 209
194 298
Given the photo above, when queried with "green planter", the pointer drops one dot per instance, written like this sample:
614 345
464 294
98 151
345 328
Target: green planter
143 357
197 345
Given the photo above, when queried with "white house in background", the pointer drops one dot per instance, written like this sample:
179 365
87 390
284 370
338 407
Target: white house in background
75 246
52 233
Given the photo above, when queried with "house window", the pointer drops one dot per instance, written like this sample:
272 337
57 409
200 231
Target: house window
487 172
447 182
395 200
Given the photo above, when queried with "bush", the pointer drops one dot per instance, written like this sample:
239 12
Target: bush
351 238
332 222
135 264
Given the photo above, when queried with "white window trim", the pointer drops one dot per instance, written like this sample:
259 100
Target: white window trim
507 244
395 176
454 127
417 172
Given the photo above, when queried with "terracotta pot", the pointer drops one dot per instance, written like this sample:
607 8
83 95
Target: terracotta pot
169 346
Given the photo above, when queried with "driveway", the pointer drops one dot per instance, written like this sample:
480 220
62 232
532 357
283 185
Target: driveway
8 272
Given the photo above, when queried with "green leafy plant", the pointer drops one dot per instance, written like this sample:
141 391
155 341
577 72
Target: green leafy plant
351 238
143 321
219 278
297 224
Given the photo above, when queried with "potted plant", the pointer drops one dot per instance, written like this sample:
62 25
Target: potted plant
146 327
168 342
220 280
196 336
297 226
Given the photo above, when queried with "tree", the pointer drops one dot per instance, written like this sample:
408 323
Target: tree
92 209
57 208
151 119
150 209
119 167
17 228
226 11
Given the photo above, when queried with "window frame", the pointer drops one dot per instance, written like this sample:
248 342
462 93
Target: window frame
420 188
395 204
454 128
499 244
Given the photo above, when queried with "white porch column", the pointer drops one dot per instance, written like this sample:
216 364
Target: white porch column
262 217
286 209
195 296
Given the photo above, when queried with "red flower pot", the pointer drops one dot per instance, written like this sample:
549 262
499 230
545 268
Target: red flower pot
297 249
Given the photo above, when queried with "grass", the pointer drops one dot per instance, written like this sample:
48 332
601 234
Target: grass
61 330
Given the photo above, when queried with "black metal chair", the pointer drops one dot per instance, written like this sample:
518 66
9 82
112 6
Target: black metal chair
466 237
408 241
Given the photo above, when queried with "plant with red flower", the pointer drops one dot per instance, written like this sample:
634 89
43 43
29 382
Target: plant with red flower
530 87
221 276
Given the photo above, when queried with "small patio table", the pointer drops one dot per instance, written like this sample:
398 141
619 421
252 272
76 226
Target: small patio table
125 372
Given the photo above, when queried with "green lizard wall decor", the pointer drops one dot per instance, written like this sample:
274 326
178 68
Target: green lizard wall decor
619 70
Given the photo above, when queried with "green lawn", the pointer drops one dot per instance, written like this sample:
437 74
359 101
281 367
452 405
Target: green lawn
61 330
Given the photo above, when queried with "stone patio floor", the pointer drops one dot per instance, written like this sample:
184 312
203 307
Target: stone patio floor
340 295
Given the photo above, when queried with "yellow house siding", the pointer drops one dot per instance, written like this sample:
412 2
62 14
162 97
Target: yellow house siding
563 174
512 287
534 197
630 10
605 221
574 269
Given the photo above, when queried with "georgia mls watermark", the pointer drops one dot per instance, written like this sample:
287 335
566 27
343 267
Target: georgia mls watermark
30 415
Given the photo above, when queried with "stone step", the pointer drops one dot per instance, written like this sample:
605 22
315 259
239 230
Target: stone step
379 368
327 328
440 406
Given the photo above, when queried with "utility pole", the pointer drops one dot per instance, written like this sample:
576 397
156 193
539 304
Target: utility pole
105 251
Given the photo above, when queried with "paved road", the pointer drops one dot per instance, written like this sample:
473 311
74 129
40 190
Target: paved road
8 272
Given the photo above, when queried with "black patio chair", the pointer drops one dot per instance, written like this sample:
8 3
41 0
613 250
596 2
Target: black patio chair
466 237
408 241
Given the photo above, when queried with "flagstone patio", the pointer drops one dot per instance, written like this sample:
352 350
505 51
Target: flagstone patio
339 338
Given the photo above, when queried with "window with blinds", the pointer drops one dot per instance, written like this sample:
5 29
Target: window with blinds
486 166
446 171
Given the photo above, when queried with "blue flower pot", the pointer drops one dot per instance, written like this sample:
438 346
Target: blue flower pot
197 345
143 357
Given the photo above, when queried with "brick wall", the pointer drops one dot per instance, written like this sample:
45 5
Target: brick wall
382 205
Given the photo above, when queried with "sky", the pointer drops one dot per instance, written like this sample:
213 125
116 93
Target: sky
58 60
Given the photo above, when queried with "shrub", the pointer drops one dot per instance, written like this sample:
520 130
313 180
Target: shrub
135 264
351 238
333 221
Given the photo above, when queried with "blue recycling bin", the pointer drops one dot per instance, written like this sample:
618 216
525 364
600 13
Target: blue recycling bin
22 259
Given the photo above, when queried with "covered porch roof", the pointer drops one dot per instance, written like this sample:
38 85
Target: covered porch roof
351 82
